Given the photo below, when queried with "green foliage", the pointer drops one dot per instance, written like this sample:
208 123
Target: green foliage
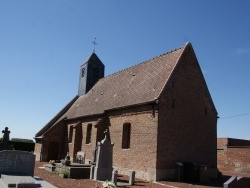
22 140
64 171
22 144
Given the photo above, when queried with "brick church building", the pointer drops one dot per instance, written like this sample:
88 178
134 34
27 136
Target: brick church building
158 112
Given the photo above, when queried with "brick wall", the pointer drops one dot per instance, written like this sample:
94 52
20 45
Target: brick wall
187 118
222 142
79 137
141 156
55 134
234 159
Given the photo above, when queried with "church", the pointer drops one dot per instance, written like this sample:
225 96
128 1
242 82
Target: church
157 113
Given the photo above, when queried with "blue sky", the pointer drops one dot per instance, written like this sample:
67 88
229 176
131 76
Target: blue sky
44 42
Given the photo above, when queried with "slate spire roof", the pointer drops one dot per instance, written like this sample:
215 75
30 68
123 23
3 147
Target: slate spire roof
139 84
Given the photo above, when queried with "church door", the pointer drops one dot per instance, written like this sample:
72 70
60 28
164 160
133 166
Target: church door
53 150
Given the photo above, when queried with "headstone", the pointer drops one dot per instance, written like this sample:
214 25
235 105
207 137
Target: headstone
17 162
114 176
131 177
5 145
104 160
93 160
92 170
80 157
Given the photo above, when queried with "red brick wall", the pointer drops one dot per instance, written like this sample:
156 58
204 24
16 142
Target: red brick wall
221 142
54 134
141 156
234 159
79 137
88 148
187 131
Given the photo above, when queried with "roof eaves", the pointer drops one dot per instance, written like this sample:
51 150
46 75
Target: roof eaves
86 116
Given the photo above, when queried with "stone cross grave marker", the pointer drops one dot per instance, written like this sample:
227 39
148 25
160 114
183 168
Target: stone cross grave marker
104 159
5 145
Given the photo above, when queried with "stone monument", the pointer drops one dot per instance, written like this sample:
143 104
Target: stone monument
104 159
4 144
17 162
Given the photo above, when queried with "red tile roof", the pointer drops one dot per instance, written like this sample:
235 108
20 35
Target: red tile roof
139 84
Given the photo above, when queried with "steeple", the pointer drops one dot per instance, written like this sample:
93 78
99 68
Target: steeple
90 72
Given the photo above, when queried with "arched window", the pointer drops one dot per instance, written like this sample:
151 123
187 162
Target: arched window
70 134
126 136
88 134
83 72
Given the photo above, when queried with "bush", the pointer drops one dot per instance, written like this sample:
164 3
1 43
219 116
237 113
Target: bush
22 144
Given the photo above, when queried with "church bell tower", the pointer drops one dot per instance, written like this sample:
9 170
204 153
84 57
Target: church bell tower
90 72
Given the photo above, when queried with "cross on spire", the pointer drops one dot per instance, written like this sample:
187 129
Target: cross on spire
95 43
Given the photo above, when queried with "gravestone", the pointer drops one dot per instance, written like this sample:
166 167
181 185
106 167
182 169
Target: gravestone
5 145
93 160
114 176
104 159
131 177
16 162
80 157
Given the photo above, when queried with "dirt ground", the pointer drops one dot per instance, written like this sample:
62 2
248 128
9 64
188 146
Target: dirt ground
73 183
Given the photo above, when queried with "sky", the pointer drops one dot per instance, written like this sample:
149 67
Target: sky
43 43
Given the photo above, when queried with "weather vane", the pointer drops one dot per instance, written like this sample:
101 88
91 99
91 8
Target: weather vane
95 43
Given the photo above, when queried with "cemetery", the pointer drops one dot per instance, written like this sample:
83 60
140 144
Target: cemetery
17 168
99 168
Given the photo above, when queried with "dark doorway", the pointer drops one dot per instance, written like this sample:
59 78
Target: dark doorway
53 150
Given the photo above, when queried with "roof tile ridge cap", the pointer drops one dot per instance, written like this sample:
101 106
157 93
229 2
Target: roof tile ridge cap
143 62
183 47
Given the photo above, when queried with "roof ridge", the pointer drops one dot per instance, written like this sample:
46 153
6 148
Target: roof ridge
143 62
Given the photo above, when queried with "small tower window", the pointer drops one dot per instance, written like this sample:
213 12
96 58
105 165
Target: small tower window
88 136
205 110
83 72
126 136
95 72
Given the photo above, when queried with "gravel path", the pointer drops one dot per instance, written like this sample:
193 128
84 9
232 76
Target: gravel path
73 183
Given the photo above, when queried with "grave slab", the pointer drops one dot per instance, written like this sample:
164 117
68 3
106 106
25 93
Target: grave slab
17 162
23 182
